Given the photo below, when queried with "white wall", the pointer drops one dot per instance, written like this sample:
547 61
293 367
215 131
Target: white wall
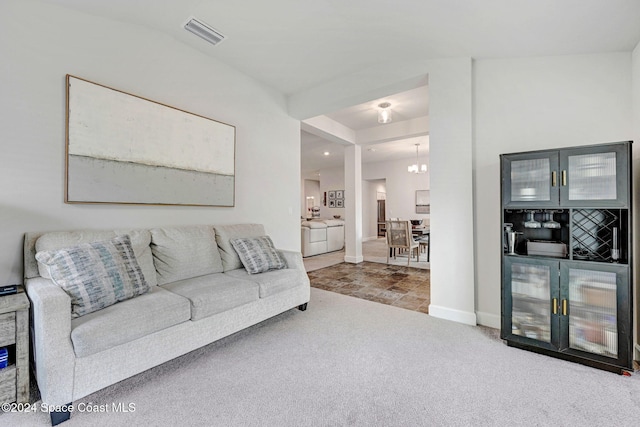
40 43
332 179
370 189
400 187
537 103
311 189
451 158
368 214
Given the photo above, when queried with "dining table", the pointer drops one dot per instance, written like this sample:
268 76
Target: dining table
424 235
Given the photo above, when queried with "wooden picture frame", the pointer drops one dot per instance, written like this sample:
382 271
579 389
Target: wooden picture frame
125 149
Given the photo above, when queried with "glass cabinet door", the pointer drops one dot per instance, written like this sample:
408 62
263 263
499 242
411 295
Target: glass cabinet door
592 304
532 287
530 179
594 176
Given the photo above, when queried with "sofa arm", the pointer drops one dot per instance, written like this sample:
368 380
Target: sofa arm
52 346
293 259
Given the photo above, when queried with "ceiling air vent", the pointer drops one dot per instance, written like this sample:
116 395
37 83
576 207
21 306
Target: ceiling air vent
204 31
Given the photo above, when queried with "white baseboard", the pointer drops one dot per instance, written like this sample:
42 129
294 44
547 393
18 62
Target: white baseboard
354 259
488 319
367 239
466 317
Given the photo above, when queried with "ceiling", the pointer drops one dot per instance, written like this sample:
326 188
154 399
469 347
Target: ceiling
313 148
296 45
406 105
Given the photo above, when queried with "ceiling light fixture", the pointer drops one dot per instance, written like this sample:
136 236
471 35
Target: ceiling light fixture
204 31
384 113
326 153
417 167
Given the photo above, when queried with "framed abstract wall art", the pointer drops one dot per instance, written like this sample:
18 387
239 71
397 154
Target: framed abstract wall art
122 148
423 201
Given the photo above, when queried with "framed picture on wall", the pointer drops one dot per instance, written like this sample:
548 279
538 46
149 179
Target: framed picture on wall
339 203
125 149
339 194
423 202
332 194
332 203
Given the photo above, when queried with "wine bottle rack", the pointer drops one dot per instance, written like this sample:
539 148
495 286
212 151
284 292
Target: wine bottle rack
592 234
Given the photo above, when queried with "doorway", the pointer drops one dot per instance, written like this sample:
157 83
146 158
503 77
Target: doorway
381 217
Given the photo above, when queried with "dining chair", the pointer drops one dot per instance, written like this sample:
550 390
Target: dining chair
399 236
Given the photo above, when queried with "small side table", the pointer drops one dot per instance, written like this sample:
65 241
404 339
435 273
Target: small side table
14 334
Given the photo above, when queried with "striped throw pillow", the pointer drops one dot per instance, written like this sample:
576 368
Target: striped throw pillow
96 275
258 255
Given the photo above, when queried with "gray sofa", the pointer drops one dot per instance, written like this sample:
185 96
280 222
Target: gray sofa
200 293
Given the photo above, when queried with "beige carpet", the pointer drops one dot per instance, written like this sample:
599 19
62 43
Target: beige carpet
351 362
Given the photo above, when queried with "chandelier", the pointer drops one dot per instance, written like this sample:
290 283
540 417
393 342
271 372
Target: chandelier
417 167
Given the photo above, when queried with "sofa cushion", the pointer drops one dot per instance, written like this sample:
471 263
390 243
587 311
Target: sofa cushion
314 224
271 282
184 252
140 240
214 293
224 233
126 321
317 235
96 275
257 254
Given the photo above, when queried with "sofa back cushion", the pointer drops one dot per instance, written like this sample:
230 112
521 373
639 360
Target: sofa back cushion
140 241
224 234
314 224
184 252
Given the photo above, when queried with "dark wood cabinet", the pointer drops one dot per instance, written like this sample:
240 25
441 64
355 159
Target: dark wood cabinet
14 335
567 254
592 176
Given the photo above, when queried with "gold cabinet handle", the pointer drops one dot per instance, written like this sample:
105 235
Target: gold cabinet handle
555 306
553 179
564 307
564 178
